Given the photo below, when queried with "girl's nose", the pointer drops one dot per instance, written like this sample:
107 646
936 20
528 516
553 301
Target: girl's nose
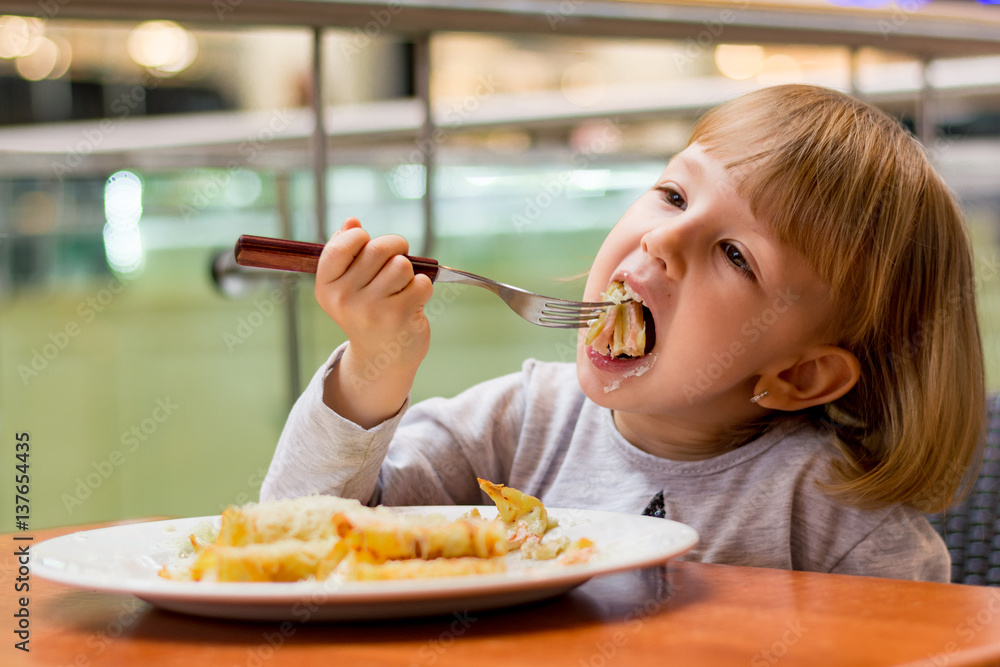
666 245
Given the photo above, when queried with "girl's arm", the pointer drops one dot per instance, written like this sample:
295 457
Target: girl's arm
369 289
438 448
320 451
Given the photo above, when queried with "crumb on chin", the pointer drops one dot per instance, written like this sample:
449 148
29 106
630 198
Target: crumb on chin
635 372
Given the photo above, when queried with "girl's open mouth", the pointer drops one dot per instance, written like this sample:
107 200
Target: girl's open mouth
624 330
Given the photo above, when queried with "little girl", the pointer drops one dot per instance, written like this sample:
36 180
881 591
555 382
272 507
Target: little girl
812 379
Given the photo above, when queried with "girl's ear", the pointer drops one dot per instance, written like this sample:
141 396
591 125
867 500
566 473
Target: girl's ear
823 374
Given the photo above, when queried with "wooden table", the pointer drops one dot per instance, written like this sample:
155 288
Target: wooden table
682 614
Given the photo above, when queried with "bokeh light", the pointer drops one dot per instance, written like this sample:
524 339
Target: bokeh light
19 35
408 181
122 210
41 62
583 84
778 69
162 46
739 61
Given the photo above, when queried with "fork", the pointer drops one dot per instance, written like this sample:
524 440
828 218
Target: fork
286 255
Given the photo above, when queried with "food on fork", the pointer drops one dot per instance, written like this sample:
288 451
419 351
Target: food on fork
324 537
620 329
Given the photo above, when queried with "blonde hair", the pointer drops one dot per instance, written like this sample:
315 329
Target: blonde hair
849 188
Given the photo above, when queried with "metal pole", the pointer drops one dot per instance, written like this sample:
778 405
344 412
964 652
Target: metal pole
925 120
289 289
428 145
319 136
852 69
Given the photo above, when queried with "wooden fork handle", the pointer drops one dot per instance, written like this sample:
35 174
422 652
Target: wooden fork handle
302 256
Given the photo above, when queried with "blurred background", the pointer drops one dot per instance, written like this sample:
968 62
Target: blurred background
137 144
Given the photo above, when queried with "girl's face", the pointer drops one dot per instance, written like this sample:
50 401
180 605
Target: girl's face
729 302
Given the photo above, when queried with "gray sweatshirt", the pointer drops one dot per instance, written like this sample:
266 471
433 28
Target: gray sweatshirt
758 505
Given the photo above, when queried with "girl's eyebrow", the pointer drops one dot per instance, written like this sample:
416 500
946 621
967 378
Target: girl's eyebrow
692 165
690 168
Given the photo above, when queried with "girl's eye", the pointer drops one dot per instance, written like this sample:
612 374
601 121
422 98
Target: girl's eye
672 195
735 257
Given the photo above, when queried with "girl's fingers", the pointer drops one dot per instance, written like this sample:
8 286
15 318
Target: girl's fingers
340 251
393 277
379 265
368 278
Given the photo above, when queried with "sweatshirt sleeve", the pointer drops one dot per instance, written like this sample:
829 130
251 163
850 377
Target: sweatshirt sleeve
429 453
321 452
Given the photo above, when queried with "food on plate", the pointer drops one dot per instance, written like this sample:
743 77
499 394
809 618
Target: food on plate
328 538
397 538
620 329
527 523
293 518
355 570
524 515
284 560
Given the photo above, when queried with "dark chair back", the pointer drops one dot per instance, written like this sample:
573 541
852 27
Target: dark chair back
971 529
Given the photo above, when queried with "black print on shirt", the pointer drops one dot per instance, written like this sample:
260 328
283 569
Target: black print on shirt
655 507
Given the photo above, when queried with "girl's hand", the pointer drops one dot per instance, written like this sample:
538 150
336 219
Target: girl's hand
369 289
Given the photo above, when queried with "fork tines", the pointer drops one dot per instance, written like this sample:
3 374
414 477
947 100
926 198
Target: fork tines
570 314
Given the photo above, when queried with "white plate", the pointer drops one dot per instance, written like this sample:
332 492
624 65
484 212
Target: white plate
127 559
